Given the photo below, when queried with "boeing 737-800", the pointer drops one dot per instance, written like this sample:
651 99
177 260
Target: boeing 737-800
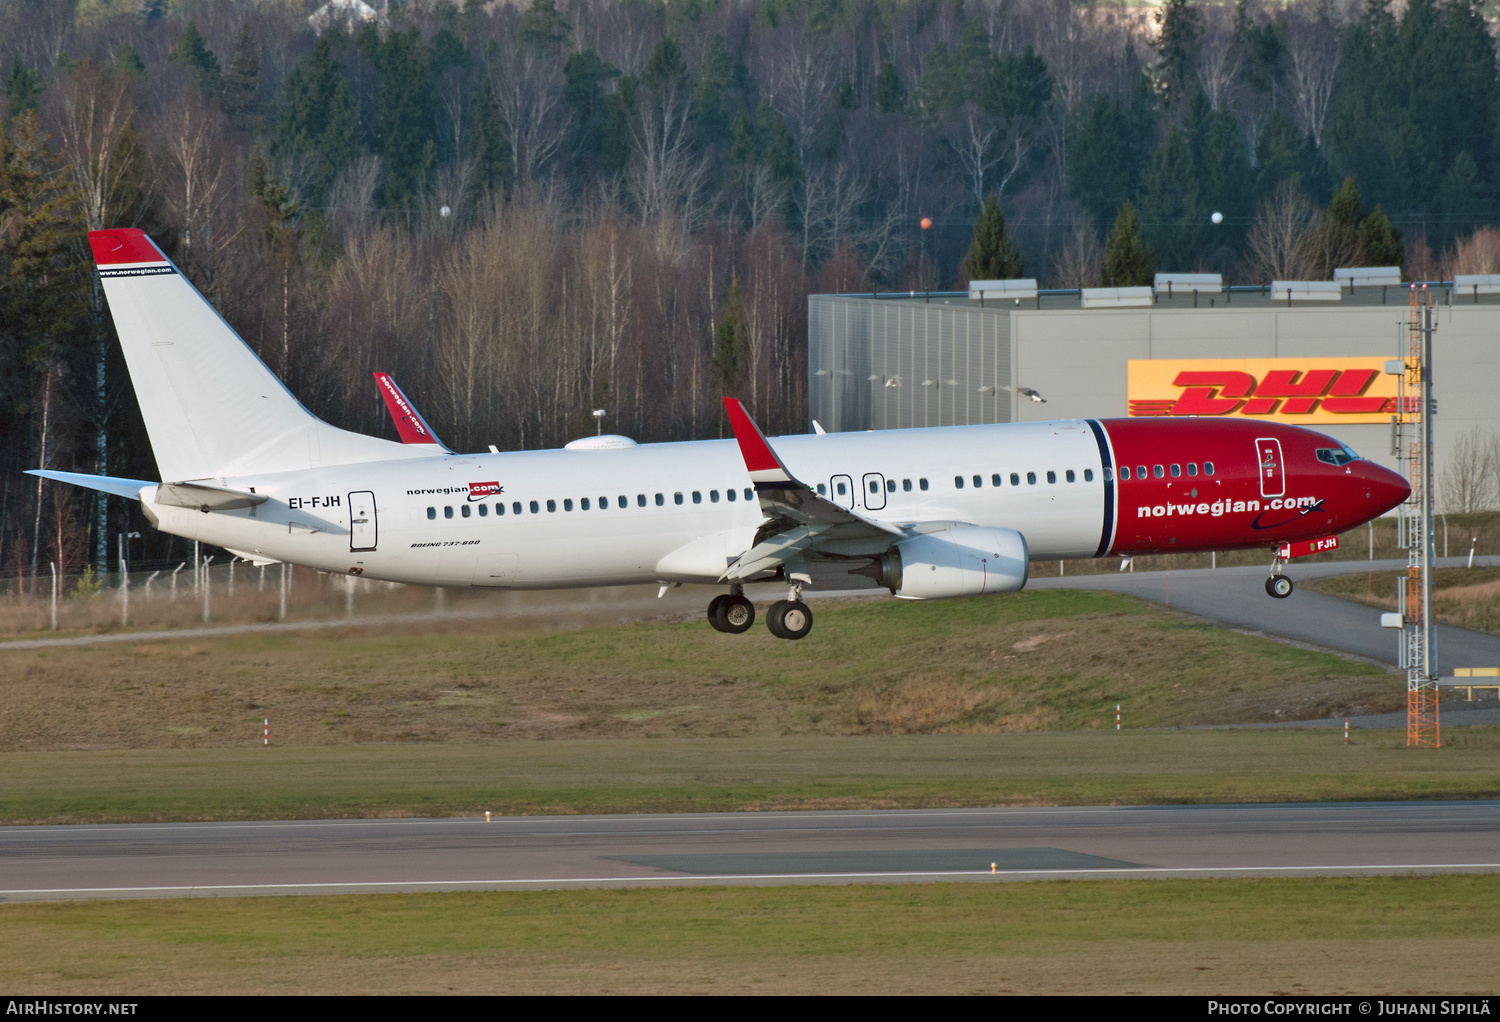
927 513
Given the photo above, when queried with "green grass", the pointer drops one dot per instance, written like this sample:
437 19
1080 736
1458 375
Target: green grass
1370 935
692 775
1044 660
1468 597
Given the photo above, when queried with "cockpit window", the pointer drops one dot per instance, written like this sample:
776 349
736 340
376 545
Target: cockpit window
1336 455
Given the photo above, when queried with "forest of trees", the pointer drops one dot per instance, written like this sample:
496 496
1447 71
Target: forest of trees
527 210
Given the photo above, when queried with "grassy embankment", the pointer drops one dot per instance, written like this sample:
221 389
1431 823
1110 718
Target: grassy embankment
1468 597
1390 935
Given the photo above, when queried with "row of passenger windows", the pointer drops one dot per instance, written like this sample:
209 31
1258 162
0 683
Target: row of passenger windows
1015 478
1159 471
586 504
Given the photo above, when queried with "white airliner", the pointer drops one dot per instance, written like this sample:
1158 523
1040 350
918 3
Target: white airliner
927 513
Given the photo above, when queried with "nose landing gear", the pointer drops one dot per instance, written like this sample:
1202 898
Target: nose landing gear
1278 585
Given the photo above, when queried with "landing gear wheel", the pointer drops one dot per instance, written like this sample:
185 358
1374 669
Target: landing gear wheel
789 619
713 611
1279 586
735 614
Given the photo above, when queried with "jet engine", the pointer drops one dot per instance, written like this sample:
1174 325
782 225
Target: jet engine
965 561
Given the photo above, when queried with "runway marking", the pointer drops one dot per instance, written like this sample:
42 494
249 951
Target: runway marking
833 815
709 879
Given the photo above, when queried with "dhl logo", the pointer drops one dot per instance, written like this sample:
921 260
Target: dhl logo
1303 390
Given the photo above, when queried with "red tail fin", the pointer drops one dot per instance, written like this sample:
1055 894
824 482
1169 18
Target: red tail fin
409 422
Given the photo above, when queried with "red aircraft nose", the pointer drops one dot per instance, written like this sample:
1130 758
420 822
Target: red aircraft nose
1386 489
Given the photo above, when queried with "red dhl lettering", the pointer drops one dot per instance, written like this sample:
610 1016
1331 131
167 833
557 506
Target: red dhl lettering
1279 391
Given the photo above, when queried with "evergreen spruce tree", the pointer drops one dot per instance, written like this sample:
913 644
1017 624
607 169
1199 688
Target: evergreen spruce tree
319 118
728 360
1127 260
485 141
1176 51
713 99
194 52
239 91
403 111
993 254
890 93
585 76
543 27
1380 240
22 88
665 65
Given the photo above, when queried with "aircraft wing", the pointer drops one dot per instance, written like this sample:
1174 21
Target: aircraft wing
799 522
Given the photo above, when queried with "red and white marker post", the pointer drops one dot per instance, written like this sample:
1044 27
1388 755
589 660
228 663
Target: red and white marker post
267 734
1117 716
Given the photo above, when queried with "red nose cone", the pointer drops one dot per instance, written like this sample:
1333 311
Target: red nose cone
1386 489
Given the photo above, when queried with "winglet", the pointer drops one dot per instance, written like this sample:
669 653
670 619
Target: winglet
762 463
409 422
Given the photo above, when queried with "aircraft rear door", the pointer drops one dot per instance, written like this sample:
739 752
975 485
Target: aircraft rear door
874 484
363 528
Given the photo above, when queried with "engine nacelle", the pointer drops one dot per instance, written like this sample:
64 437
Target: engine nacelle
966 561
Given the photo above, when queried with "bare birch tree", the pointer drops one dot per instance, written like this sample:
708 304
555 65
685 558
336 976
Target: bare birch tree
1314 53
1281 242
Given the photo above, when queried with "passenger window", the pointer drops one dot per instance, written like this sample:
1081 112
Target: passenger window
1192 468
1208 468
732 494
978 482
906 485
874 486
890 486
1158 471
922 483
1030 478
697 497
623 503
1015 479
551 507
958 482
1124 472
749 493
640 500
516 507
1068 475
1140 471
995 479
583 504
822 490
535 507
568 504
713 496
432 513
677 497
1051 477
464 510
448 512
660 500
500 508
484 510
839 489
1176 470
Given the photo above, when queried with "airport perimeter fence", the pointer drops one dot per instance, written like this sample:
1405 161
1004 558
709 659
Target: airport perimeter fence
178 596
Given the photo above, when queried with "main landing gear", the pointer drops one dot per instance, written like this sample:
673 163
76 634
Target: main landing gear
1278 585
787 619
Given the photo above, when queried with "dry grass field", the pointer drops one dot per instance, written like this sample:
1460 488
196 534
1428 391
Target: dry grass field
1044 660
1367 936
1468 597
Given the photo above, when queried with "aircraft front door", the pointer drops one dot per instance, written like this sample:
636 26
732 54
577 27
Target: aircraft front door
874 484
363 528
841 490
1272 473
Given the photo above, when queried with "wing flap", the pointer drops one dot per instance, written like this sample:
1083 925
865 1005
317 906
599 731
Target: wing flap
205 498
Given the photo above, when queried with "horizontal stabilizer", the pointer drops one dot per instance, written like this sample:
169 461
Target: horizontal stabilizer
203 497
105 484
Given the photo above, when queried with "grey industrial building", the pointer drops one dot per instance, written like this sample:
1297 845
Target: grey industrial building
895 361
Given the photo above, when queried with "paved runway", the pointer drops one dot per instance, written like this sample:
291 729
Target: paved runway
1237 597
515 853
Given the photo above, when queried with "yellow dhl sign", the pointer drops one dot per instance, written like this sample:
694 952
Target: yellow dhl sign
1293 390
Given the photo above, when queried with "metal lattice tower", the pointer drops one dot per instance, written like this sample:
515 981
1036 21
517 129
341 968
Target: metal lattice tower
1414 525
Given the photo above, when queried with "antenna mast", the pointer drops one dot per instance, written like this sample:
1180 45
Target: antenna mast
1414 525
